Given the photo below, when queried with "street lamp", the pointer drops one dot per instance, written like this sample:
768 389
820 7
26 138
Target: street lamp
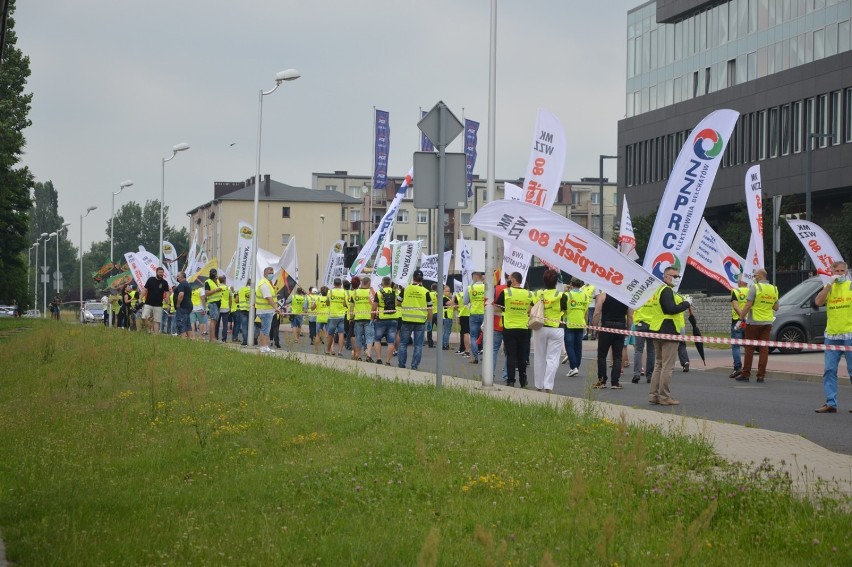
82 216
56 283
811 136
122 187
183 146
43 271
600 189
280 77
45 278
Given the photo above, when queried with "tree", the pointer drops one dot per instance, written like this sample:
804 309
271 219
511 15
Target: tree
44 217
15 181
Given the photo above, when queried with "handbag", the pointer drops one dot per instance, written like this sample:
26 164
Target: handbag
536 320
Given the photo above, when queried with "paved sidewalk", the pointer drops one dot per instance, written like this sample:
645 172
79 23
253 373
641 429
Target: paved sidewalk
807 463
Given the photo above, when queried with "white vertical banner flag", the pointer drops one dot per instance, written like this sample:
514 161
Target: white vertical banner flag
383 264
334 265
190 254
448 258
151 263
137 268
384 226
569 247
265 259
542 180
819 246
754 200
429 267
626 238
241 269
229 274
289 261
683 202
458 287
170 260
467 261
405 257
712 256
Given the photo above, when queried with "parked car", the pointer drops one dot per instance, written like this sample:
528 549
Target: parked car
7 311
33 313
93 312
798 319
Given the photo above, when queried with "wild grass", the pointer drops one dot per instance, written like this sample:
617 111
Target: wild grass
125 448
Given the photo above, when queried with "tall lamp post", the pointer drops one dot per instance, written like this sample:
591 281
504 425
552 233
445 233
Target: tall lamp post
601 193
46 277
122 187
183 146
38 271
61 228
82 216
280 77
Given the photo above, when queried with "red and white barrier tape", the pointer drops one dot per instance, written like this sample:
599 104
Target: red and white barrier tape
720 340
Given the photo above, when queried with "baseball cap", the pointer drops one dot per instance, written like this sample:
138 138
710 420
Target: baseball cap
418 275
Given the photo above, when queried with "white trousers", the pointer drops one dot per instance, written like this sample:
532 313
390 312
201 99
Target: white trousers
547 343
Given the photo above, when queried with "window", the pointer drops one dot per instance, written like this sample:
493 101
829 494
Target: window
355 215
819 44
353 239
595 198
285 212
773 132
822 118
402 237
761 134
465 218
422 217
285 239
402 216
732 73
785 130
848 113
343 214
796 126
843 36
835 117
330 188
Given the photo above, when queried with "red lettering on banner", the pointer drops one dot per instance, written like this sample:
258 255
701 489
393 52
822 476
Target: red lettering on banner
535 193
814 245
542 238
573 249
538 168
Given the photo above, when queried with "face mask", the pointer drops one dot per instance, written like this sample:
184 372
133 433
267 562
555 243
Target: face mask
269 277
840 279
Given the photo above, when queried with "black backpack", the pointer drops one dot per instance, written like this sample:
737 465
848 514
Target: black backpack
388 301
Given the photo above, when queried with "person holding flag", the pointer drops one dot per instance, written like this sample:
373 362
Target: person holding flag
666 309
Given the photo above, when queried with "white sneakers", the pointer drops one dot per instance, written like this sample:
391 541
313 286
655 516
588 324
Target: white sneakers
573 372
266 349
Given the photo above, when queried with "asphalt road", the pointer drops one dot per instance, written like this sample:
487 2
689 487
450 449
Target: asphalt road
783 403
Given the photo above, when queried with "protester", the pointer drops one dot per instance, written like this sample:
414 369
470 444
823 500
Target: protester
337 301
575 325
298 304
610 313
474 297
498 332
515 302
641 323
386 321
758 311
416 310
663 308
463 314
265 305
244 300
361 308
311 306
183 307
211 300
322 319
225 301
548 340
739 297
447 301
156 290
591 292
433 322
837 297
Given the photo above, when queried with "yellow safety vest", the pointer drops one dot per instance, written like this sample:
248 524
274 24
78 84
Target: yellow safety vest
476 294
448 311
464 310
212 291
362 306
656 311
414 304
838 304
578 305
765 296
261 303
226 297
516 307
313 299
589 290
741 293
337 303
552 306
322 309
297 304
642 315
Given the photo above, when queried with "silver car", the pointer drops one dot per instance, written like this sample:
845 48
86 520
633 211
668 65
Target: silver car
798 319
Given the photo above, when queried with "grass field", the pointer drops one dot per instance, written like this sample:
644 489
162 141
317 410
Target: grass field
124 448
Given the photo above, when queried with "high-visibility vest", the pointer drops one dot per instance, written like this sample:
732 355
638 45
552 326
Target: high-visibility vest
322 309
260 302
414 304
765 296
363 307
578 305
226 298
297 304
642 315
196 299
464 310
552 306
386 300
448 311
476 294
516 307
212 291
656 311
741 293
337 303
589 290
838 306
313 299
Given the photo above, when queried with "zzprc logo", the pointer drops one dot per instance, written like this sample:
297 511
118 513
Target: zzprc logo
662 262
732 269
705 137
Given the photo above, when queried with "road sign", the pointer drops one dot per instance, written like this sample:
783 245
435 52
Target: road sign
426 176
45 278
44 269
440 125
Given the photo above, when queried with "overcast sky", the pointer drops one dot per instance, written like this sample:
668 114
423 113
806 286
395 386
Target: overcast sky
117 83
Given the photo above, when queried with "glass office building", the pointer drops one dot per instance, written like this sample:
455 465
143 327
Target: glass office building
785 65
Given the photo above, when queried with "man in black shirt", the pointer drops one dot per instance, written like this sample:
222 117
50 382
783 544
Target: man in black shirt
612 314
183 306
156 290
